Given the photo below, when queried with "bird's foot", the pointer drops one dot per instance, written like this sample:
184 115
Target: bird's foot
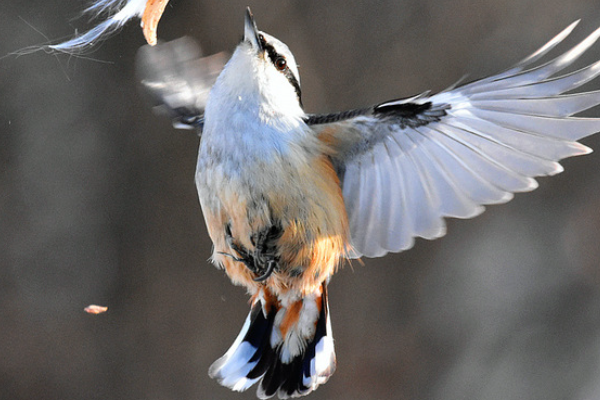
260 261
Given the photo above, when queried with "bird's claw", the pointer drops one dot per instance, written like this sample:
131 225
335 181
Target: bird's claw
271 266
260 264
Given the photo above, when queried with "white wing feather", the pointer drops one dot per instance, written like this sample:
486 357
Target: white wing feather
177 79
400 179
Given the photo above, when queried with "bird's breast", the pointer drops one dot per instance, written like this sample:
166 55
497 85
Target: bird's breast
259 176
244 188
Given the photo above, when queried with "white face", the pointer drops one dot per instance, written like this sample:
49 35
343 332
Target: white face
279 62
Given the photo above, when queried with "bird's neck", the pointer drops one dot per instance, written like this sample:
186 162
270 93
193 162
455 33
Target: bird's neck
252 118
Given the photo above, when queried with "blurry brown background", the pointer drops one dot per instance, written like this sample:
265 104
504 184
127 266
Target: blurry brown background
98 205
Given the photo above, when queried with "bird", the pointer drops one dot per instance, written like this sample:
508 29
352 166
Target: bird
288 197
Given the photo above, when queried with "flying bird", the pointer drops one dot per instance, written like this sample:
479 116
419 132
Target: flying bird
288 196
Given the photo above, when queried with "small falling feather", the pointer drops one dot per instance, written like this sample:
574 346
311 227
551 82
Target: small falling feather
120 11
95 309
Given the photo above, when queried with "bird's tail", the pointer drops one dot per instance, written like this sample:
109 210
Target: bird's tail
288 348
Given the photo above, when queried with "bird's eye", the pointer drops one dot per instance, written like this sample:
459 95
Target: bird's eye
280 63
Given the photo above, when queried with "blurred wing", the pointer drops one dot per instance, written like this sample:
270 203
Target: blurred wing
119 12
406 164
178 80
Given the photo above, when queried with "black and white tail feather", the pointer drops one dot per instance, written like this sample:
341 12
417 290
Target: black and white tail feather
289 366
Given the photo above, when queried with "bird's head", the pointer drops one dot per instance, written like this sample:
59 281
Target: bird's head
263 70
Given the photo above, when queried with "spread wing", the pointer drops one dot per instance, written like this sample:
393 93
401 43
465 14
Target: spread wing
177 79
407 164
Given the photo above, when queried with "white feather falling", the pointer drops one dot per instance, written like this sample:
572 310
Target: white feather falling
119 12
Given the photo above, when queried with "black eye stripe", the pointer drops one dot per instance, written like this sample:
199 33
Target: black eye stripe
294 82
274 56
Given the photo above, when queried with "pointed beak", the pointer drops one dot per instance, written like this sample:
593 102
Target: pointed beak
251 31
